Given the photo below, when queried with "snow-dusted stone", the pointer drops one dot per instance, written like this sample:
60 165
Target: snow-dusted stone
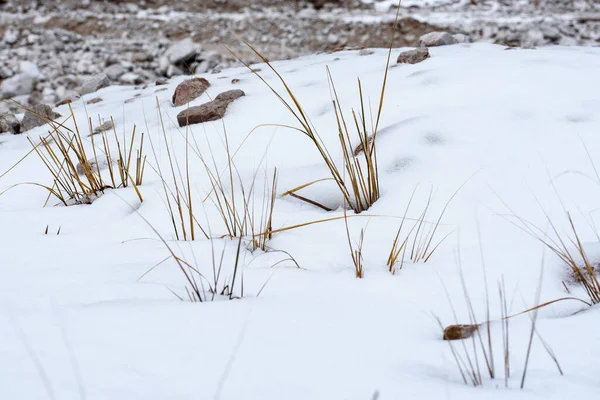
95 165
433 39
131 78
462 38
182 51
189 90
9 123
95 83
22 83
115 71
106 126
34 119
365 52
413 56
211 111
11 36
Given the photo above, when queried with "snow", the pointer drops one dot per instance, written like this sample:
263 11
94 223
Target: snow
509 125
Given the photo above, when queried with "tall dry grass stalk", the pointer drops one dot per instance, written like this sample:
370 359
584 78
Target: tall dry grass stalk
355 250
357 178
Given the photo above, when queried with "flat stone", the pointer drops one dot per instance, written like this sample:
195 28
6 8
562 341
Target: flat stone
210 111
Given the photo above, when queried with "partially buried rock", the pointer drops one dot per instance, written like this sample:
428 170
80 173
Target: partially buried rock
211 111
9 123
414 56
95 83
38 116
458 332
189 90
108 125
92 165
94 100
433 39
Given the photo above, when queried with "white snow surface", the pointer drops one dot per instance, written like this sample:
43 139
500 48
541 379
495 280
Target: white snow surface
512 126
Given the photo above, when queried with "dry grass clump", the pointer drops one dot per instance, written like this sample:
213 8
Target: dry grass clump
77 176
357 177
419 243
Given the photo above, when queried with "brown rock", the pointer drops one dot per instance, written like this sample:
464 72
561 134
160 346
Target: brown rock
458 332
189 90
235 80
94 100
63 102
414 56
38 116
210 111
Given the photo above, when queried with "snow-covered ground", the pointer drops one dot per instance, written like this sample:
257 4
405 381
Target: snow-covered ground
509 125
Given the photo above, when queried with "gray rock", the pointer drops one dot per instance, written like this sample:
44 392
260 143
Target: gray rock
131 78
95 83
413 56
182 52
210 111
9 123
95 165
365 52
38 116
462 38
172 70
433 39
22 83
17 85
189 90
115 71
106 126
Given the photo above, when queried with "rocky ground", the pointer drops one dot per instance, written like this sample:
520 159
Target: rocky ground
49 49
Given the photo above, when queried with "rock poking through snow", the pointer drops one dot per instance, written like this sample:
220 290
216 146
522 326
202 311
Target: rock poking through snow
95 83
106 126
9 123
433 39
189 90
459 332
413 56
38 116
210 111
94 100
